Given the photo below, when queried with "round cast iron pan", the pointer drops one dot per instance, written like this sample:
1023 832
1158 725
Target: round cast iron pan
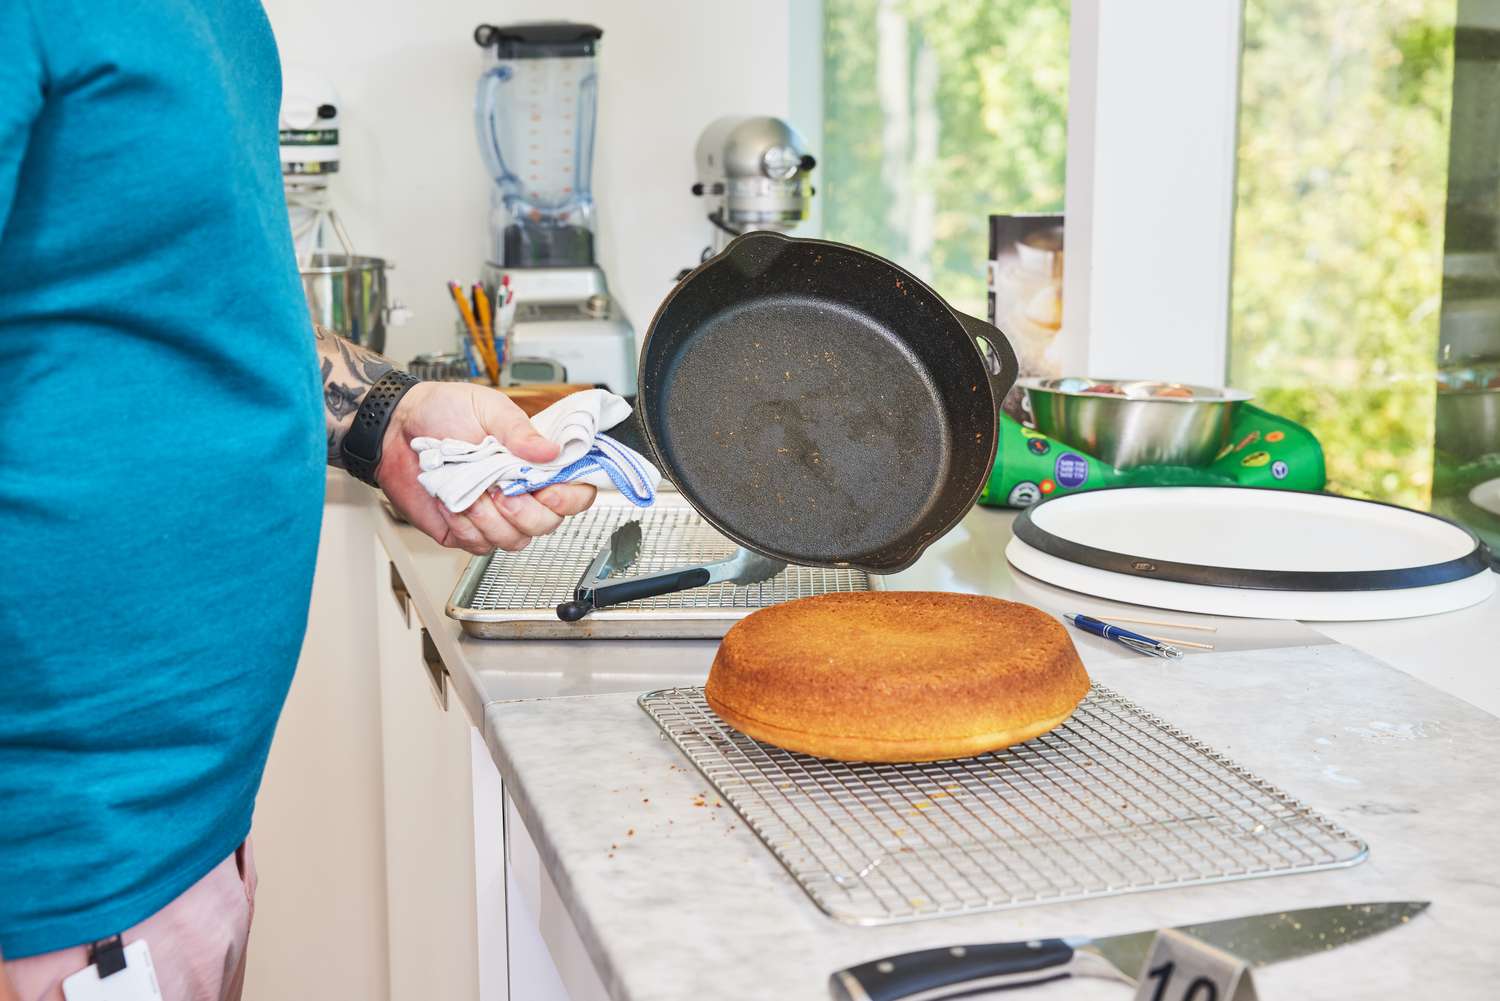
818 404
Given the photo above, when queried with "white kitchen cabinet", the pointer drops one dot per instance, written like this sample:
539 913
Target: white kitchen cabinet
472 912
430 869
320 929
548 961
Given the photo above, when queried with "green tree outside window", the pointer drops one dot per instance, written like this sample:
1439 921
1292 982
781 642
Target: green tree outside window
941 112
938 113
1343 159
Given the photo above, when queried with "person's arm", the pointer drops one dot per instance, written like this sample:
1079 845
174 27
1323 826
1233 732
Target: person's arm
443 410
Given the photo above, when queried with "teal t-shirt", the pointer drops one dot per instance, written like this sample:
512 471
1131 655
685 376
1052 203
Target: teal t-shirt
161 453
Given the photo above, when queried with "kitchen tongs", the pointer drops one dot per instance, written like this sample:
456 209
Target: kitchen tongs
743 567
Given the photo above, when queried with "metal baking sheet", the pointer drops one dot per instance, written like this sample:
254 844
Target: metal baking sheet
515 595
1113 801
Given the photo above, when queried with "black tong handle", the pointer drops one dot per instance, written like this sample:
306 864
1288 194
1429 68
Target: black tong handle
635 588
632 589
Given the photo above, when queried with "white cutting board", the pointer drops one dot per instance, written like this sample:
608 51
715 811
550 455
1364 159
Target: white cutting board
1253 530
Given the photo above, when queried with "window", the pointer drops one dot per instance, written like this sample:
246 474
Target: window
1338 250
1466 472
938 113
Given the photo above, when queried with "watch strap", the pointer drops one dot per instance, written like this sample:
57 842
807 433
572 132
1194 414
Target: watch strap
365 438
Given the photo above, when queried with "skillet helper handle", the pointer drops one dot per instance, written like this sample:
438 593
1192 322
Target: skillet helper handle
631 434
967 969
635 588
994 347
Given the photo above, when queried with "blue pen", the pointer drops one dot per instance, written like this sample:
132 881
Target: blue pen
1133 640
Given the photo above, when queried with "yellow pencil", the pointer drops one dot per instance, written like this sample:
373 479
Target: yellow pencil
487 326
466 313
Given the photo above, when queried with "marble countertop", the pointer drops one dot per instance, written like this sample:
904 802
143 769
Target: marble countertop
1444 649
1349 735
676 901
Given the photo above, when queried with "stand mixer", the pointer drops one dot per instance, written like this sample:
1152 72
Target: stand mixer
346 292
534 112
754 171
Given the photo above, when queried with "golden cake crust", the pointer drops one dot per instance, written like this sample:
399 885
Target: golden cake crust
896 675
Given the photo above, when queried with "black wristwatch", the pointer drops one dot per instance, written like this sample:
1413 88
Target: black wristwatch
366 437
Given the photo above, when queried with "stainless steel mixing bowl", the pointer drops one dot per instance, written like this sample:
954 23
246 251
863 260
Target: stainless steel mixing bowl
347 294
1135 428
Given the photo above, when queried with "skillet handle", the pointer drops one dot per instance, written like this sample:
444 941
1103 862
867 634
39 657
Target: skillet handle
631 434
996 353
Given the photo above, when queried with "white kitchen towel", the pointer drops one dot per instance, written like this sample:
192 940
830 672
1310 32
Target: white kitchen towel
458 472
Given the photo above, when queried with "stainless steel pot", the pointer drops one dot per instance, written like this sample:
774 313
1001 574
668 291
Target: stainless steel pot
1135 427
1468 422
346 293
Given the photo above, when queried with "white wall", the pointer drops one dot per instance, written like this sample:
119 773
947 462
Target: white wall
412 188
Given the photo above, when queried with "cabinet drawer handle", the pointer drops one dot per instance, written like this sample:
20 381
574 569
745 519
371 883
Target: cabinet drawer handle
401 594
437 674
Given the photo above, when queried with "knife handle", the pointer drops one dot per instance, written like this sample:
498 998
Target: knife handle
635 588
968 969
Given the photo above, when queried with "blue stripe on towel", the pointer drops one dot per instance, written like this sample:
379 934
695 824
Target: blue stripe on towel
622 468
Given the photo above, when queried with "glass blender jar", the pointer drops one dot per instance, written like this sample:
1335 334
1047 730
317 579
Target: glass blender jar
534 113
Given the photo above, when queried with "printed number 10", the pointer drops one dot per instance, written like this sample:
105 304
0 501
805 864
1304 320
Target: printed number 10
1200 989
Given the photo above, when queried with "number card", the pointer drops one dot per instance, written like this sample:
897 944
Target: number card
1183 968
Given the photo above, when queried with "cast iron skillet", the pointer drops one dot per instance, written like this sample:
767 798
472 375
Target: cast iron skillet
818 404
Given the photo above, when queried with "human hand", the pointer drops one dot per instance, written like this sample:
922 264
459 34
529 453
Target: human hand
468 412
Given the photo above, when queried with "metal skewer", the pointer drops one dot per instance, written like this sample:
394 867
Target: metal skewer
1155 622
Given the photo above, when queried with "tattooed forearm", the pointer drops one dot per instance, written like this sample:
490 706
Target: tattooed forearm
348 373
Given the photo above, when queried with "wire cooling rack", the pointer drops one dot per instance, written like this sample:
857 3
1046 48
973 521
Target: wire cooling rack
517 594
1113 801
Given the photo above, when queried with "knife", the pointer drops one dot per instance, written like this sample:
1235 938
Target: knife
619 552
970 969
